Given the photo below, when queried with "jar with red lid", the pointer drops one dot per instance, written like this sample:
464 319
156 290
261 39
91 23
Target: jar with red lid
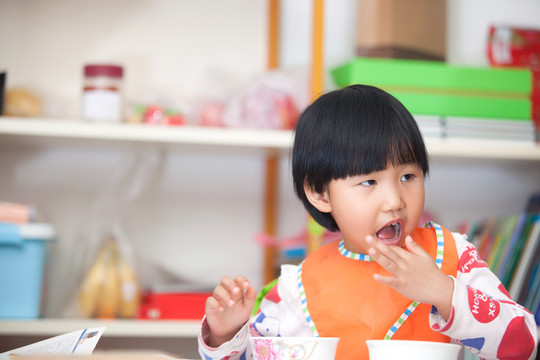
102 93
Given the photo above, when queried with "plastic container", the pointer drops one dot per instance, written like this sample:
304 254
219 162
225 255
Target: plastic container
102 93
23 250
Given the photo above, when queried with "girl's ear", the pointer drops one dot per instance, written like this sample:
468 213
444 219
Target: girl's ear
320 200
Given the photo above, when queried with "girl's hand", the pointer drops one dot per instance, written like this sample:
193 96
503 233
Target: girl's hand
414 274
228 309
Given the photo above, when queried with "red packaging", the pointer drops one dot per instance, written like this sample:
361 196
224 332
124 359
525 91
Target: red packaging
517 47
509 46
169 306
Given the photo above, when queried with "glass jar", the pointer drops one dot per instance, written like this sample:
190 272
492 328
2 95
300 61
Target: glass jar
102 93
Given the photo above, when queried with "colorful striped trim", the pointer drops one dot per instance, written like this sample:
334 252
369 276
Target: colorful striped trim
414 304
351 255
401 320
440 241
303 301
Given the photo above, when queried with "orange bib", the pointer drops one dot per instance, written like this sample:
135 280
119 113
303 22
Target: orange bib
343 300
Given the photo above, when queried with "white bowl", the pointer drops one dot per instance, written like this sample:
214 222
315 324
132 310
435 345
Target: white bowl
294 348
411 350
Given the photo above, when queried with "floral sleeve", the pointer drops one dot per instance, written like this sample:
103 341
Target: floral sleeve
484 317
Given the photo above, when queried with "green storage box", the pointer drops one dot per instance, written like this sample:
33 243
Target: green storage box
436 88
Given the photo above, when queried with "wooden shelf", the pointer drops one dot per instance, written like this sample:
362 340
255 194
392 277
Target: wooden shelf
194 135
115 328
241 137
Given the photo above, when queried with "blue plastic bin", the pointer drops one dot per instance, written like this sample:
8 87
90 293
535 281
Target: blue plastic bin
23 250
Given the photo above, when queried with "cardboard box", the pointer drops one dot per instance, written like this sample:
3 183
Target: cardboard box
22 258
436 88
411 29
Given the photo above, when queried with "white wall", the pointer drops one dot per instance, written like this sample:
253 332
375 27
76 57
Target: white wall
198 217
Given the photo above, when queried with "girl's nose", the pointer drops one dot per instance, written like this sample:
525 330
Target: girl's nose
393 199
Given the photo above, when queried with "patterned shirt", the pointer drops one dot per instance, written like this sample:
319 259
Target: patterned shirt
483 318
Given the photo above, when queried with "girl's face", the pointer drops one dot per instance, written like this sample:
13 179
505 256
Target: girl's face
385 204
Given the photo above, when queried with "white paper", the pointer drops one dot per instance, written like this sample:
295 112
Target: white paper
81 342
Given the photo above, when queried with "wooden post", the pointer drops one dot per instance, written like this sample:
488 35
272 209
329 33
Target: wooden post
317 52
315 231
272 161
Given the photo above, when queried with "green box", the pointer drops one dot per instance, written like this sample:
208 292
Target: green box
430 87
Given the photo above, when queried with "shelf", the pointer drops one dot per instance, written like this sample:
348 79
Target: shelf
115 328
194 135
236 137
483 149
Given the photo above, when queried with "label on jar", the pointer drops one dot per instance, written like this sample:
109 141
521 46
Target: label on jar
101 105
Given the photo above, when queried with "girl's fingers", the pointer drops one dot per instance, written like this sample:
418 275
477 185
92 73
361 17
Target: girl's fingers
242 282
223 297
251 295
382 254
229 284
212 306
414 247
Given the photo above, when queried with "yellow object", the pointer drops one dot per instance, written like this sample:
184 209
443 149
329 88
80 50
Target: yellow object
129 290
92 284
110 288
21 102
109 300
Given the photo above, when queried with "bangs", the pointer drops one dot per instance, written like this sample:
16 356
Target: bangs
369 150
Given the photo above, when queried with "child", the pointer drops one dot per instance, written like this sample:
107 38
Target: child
358 166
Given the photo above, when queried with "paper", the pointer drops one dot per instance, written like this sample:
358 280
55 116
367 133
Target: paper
81 342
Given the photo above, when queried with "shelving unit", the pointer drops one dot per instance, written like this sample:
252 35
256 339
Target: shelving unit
190 135
277 143
115 328
265 139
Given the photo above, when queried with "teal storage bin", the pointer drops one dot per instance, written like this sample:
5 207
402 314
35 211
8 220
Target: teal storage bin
23 250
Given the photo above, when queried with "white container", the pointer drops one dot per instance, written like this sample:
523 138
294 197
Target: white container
411 350
102 93
293 348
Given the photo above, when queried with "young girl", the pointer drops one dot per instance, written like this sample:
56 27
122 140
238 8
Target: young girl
358 166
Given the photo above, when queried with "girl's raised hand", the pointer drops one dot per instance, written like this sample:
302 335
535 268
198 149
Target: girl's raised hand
229 308
414 274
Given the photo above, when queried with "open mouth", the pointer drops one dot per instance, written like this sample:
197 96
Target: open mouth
390 232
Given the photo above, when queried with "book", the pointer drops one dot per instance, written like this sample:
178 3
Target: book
518 240
512 250
503 230
81 342
526 291
525 261
16 213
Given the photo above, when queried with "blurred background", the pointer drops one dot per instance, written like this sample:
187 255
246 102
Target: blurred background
189 214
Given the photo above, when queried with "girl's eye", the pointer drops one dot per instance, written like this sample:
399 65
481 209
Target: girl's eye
368 183
407 177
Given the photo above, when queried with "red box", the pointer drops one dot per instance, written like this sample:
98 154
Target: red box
518 47
178 306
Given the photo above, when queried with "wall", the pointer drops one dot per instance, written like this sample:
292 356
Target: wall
189 215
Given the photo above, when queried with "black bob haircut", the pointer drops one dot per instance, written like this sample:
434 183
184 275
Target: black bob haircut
352 131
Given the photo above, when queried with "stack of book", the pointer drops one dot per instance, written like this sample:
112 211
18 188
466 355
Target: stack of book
492 129
511 247
430 126
451 101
